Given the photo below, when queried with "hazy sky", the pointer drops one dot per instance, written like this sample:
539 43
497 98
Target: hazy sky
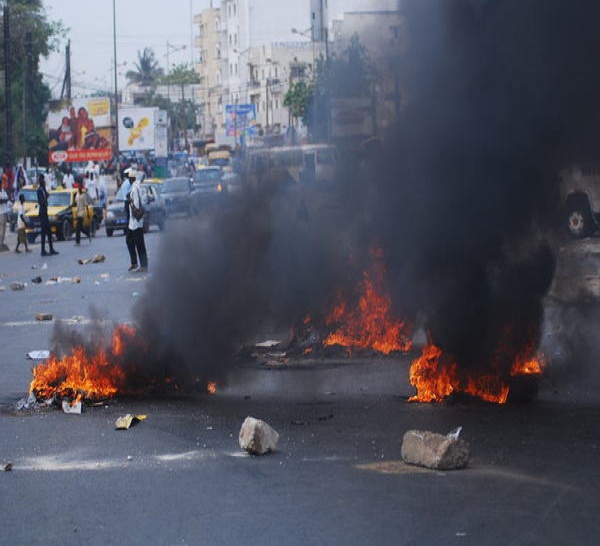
140 23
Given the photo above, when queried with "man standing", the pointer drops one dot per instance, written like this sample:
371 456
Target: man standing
69 180
136 222
42 195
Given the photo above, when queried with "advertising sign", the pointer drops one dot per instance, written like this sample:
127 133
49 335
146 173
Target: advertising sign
79 130
136 129
240 120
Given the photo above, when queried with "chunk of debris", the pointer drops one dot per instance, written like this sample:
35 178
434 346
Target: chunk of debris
7 467
38 355
27 403
17 286
76 280
98 259
125 422
257 437
83 262
436 451
269 344
37 280
41 317
70 407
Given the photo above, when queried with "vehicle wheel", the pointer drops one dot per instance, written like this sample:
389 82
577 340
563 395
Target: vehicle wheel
580 221
109 232
66 230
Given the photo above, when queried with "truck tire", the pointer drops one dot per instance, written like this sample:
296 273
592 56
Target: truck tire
109 232
580 221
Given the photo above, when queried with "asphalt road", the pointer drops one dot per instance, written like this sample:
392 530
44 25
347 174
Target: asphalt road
179 478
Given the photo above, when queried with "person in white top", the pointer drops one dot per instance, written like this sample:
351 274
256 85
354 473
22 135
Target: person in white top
90 186
102 188
5 205
21 235
136 225
68 180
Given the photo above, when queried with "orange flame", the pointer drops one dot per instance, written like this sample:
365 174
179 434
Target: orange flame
80 375
211 388
370 325
436 376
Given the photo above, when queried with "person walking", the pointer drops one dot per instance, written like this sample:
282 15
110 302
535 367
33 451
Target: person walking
136 221
42 196
81 202
21 225
4 210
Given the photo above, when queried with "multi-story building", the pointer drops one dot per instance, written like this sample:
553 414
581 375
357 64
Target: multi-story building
208 66
384 36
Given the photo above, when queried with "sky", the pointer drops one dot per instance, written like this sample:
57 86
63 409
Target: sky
140 23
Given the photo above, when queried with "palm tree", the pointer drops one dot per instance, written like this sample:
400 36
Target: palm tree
147 72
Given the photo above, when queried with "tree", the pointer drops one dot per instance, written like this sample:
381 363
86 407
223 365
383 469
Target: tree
32 36
298 98
147 72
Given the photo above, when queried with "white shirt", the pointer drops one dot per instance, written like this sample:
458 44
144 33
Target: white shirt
20 212
4 207
136 198
90 185
68 181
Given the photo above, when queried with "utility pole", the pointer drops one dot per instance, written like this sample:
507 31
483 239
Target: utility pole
66 86
116 151
268 89
8 130
26 84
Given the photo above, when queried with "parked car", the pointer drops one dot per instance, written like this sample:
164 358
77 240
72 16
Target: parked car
580 195
177 195
30 193
62 216
155 212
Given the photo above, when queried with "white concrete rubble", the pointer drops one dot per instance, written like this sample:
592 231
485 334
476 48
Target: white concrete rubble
436 451
257 437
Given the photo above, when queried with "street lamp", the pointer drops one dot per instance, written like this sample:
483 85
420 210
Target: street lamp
116 152
174 49
305 34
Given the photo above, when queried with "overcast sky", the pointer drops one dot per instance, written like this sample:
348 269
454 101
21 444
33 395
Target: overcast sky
140 23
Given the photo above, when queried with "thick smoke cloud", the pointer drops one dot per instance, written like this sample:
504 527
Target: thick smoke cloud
462 197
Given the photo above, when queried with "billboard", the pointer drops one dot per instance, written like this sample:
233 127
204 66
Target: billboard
137 129
240 120
79 130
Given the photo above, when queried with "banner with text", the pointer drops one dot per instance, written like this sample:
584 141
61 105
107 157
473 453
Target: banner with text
79 130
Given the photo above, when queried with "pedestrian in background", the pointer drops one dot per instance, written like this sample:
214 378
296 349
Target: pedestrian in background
21 226
81 202
136 222
69 180
4 209
42 196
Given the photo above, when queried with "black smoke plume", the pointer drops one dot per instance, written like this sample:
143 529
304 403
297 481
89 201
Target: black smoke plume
462 197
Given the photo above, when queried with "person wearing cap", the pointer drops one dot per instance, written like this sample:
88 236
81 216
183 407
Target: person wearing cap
135 233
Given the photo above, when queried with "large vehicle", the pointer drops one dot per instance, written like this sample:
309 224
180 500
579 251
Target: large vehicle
221 159
580 195
63 217
315 163
177 195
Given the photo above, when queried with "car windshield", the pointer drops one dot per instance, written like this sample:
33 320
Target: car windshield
30 195
207 175
123 190
219 162
176 185
59 199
